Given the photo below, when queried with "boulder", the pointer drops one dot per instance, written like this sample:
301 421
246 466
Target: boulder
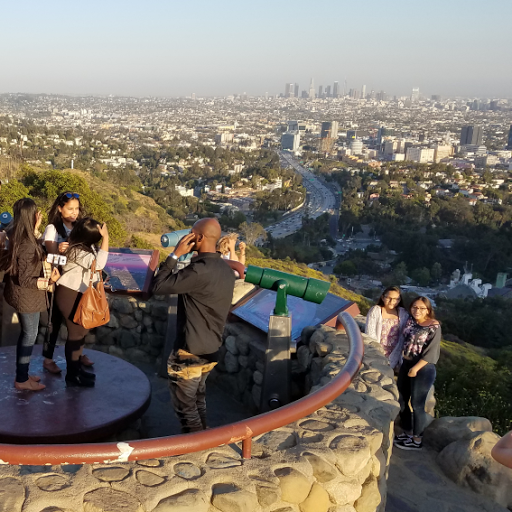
317 501
190 500
294 485
468 462
230 498
230 344
448 429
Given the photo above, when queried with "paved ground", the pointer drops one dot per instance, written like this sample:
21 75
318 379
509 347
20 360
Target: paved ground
159 420
417 484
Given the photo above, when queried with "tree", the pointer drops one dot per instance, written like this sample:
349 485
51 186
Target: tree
421 276
436 271
346 268
252 232
400 273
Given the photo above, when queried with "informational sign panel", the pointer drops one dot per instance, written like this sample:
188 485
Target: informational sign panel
258 308
131 270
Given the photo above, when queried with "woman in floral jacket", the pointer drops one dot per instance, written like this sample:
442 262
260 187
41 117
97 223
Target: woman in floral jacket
421 348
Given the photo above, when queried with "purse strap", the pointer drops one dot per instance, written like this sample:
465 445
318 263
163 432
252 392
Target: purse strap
93 271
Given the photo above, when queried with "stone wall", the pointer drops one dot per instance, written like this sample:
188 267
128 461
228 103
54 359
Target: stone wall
334 460
136 331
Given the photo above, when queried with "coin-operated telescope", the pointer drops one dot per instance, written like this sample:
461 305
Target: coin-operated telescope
172 239
5 220
276 381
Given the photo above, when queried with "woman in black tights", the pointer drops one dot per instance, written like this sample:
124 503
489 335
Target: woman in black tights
75 279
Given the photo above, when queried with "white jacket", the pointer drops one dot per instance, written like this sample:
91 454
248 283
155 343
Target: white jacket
373 328
77 274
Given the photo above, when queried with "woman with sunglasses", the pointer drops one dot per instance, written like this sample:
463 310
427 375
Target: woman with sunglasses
63 214
26 285
385 322
421 349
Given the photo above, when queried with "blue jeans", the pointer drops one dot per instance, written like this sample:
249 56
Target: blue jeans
29 327
416 390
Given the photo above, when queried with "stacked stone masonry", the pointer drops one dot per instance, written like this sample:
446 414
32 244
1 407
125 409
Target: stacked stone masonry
335 460
136 331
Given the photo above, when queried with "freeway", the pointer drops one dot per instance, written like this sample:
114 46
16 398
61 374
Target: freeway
319 199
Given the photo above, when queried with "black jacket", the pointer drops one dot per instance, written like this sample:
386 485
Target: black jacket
205 290
21 291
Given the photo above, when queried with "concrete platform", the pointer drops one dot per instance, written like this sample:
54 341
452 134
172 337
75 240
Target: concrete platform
61 414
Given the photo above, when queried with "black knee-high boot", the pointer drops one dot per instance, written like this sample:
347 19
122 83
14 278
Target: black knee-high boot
75 376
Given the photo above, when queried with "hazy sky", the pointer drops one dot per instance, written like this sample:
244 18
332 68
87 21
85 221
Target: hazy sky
221 47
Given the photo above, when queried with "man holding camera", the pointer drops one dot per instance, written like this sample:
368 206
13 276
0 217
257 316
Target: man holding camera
205 289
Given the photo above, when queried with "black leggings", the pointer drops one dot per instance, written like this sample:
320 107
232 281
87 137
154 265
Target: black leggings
67 301
416 390
50 340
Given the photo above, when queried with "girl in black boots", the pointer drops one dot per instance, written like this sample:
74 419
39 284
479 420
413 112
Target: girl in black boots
75 279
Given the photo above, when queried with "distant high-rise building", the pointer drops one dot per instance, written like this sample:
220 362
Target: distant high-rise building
293 126
363 92
382 96
328 91
494 105
472 134
328 135
291 141
420 155
296 90
304 94
435 97
289 90
335 92
415 96
312 90
509 145
320 91
329 130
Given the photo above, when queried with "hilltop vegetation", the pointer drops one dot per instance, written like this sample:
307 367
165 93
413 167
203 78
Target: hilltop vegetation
132 218
471 384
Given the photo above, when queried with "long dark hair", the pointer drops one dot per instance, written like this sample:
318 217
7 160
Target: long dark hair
391 289
428 305
83 237
54 215
21 229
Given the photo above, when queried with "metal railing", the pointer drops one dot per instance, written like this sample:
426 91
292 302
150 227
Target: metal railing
245 430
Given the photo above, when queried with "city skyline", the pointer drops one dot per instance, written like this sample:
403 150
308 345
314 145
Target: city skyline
169 50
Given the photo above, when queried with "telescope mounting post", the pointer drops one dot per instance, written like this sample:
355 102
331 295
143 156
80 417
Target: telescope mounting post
281 308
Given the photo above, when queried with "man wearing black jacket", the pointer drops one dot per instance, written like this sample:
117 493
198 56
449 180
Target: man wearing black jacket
205 289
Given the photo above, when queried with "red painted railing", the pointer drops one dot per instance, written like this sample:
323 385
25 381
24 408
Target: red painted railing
186 443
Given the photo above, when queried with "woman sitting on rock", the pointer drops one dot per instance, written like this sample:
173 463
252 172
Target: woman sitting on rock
421 348
386 321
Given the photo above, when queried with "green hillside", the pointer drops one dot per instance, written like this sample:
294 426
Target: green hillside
132 218
469 383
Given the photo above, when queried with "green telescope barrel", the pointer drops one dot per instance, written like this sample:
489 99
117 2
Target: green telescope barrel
312 290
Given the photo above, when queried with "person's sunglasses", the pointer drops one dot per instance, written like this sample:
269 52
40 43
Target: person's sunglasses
72 195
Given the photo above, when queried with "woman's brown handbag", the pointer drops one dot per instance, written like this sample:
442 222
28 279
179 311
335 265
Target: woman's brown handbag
92 310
